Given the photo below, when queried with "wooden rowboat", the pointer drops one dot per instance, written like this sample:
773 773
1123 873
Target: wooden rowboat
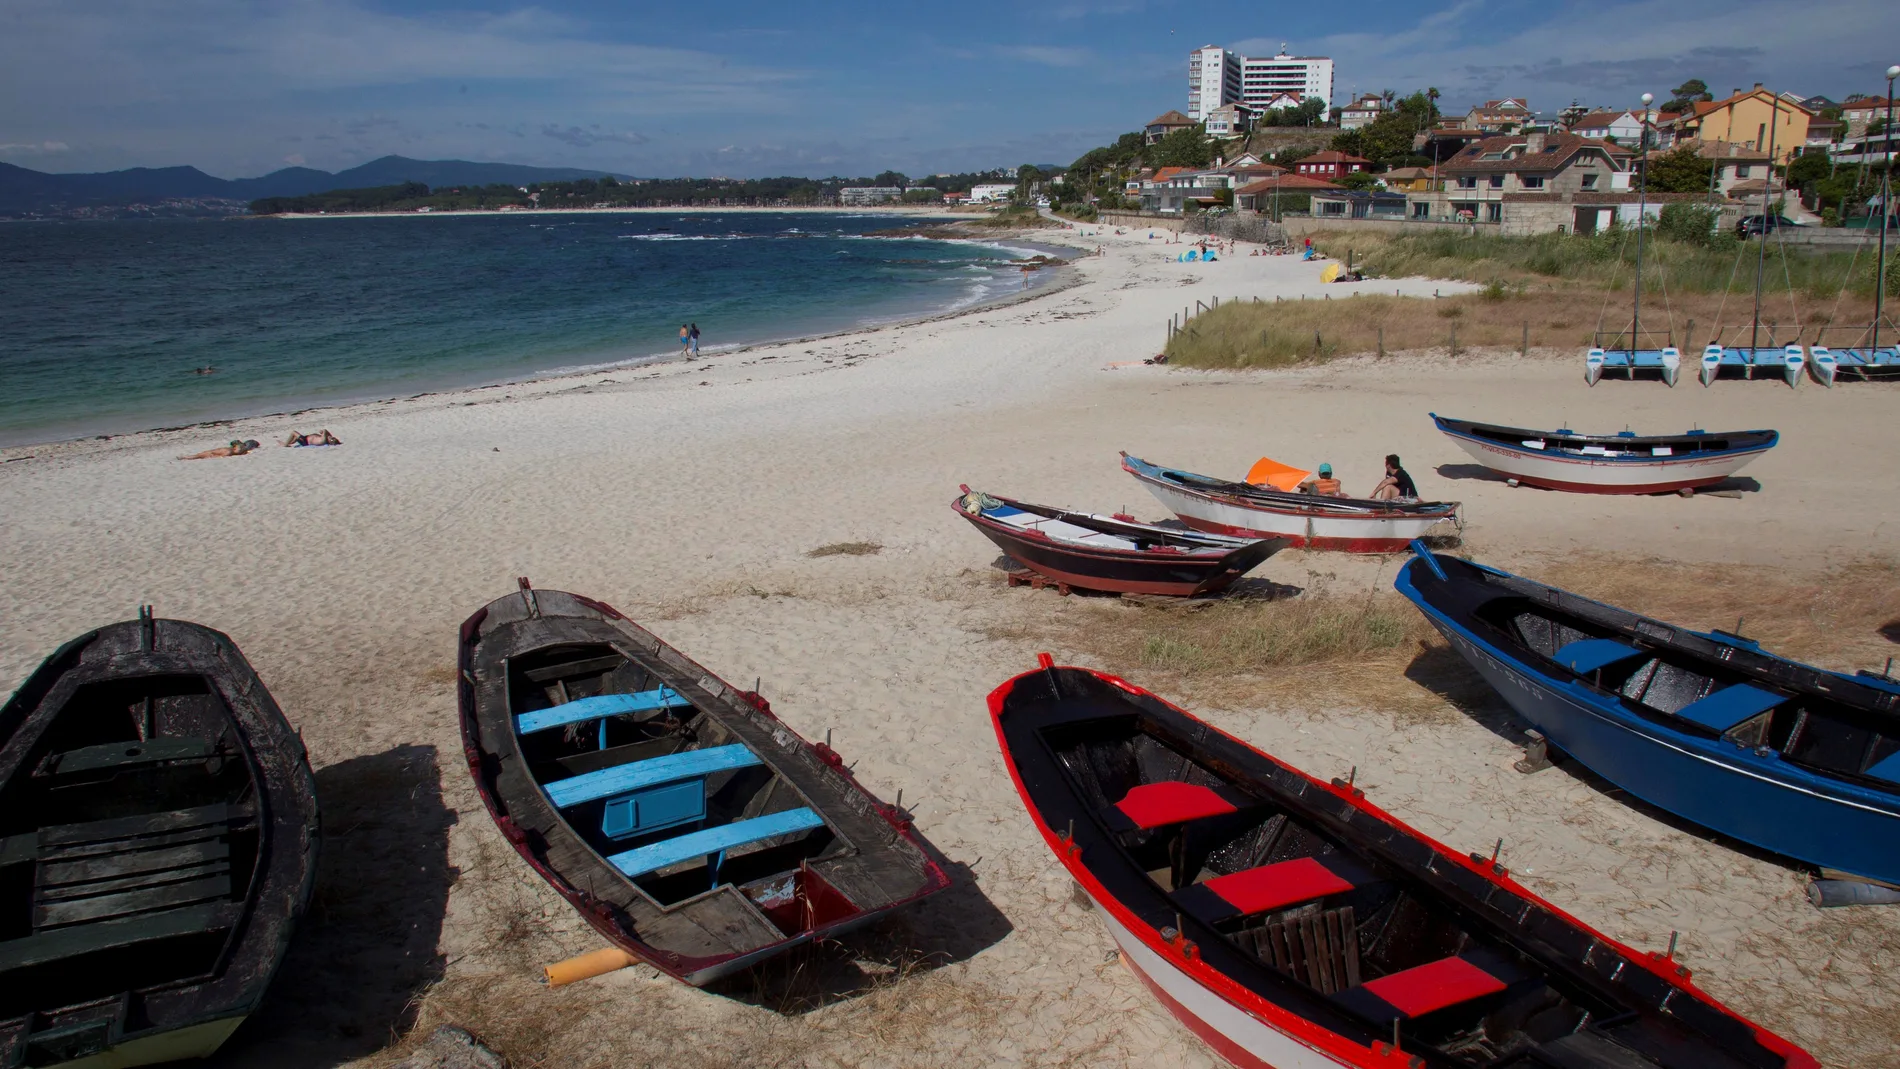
158 841
1112 554
685 823
1621 463
1292 924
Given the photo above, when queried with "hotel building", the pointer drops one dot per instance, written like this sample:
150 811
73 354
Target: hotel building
1218 76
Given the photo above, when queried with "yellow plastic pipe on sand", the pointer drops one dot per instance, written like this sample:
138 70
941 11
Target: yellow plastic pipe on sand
593 963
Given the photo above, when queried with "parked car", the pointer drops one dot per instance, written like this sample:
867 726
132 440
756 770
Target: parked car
1756 225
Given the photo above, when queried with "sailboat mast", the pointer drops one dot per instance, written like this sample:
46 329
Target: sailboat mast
1642 211
1761 254
1886 212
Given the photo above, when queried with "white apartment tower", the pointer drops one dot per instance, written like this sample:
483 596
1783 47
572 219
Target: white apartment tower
1213 80
1217 76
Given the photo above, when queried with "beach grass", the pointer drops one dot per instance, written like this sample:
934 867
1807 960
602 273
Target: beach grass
846 549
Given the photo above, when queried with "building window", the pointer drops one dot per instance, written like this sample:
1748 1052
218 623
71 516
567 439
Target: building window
1741 170
1333 207
1467 183
1494 213
1589 181
1497 181
1533 182
1761 136
1421 210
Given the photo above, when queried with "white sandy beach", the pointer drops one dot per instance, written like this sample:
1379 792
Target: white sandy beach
688 495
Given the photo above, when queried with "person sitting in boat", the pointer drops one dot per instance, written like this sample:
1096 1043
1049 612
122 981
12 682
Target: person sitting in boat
1397 483
1322 483
323 437
235 449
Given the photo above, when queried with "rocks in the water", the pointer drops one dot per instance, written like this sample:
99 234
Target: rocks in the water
449 1047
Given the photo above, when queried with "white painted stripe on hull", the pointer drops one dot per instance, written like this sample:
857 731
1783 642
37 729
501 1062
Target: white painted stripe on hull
1272 1046
1402 528
1582 470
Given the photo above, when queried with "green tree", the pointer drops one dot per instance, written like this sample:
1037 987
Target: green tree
1186 147
1811 166
1359 180
1685 96
891 178
1679 171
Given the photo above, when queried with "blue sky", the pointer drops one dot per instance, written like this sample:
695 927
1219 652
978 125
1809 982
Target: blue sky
242 87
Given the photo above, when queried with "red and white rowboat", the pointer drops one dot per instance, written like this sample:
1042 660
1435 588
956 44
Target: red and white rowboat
1291 924
1622 463
1356 525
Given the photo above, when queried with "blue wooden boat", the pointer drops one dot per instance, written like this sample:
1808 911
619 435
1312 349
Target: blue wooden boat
1794 759
1854 364
1662 363
1742 362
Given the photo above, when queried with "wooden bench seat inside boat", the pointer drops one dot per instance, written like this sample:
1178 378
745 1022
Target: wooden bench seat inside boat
1156 805
1423 989
1585 656
598 707
654 794
1730 706
714 842
1267 888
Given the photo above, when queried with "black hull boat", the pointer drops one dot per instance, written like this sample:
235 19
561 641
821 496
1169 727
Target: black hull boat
685 823
1111 554
1622 463
1292 924
158 839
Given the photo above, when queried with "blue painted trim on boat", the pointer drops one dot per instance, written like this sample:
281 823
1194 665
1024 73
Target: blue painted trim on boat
601 705
1626 458
1887 768
654 856
634 775
1751 795
1589 654
1422 552
1730 706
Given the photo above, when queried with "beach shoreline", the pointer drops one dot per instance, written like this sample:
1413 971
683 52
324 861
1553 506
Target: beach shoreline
706 499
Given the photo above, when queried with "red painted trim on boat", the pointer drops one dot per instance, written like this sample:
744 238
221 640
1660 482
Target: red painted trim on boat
1349 545
1090 582
1316 1036
1205 1032
1599 488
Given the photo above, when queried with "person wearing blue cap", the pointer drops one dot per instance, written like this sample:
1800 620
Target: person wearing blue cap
1322 483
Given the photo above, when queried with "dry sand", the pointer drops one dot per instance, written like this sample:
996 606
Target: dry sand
689 495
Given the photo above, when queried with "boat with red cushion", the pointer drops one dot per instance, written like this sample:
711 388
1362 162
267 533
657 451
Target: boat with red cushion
1292 924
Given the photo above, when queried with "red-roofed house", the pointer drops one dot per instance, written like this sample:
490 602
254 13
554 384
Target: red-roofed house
1858 114
1495 116
1624 126
1330 165
1258 196
1166 123
1529 183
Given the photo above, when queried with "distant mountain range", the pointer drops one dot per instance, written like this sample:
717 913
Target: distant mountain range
25 192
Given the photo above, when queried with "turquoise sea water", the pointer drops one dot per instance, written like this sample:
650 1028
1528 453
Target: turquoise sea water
103 323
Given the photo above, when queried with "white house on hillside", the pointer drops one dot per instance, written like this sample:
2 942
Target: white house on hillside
1625 126
990 194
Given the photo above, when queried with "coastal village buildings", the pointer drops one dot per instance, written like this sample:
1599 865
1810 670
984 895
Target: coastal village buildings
1219 76
1164 124
1531 183
1229 120
1330 165
858 195
1858 115
1499 116
1622 126
1757 118
990 193
1362 112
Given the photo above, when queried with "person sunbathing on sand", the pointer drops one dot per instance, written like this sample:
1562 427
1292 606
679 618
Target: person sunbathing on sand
323 437
235 449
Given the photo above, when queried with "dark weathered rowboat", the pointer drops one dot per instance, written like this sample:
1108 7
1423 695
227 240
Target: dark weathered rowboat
1709 726
158 839
689 826
1292 924
1110 554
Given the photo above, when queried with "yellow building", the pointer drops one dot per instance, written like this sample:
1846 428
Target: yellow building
1756 118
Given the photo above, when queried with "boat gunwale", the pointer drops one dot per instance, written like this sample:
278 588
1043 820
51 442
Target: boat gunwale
1464 429
1289 503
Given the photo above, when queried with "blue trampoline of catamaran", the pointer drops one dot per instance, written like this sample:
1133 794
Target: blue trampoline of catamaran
1742 362
1854 364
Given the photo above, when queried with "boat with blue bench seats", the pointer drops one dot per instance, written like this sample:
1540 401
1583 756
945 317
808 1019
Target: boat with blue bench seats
1742 362
1292 924
686 823
1787 757
1620 463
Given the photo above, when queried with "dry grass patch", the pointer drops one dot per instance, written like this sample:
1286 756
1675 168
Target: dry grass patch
846 549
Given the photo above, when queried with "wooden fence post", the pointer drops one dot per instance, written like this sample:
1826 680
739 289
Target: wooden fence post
1382 343
1454 339
1688 336
1526 350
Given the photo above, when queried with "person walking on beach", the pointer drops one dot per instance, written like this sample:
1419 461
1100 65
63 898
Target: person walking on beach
686 339
693 335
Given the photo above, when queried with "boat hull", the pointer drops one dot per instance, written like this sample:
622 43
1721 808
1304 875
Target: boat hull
1784 362
1743 794
1131 572
1665 364
1585 475
1368 534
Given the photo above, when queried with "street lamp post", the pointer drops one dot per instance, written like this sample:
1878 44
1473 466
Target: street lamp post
1886 211
1642 210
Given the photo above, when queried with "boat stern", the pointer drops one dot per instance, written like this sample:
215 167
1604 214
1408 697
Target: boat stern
1711 362
1671 364
1592 366
1822 365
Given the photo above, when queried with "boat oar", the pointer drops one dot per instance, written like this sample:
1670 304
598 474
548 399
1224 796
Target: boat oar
590 964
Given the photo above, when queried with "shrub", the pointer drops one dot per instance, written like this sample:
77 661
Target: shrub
1691 224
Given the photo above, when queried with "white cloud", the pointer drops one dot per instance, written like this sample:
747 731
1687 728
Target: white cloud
1047 55
35 148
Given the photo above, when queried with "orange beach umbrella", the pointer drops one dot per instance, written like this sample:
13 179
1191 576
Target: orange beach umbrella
1269 472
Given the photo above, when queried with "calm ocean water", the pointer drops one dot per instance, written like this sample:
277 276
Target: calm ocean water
103 323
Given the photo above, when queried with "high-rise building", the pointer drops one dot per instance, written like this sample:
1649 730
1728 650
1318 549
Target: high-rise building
1213 80
1217 76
